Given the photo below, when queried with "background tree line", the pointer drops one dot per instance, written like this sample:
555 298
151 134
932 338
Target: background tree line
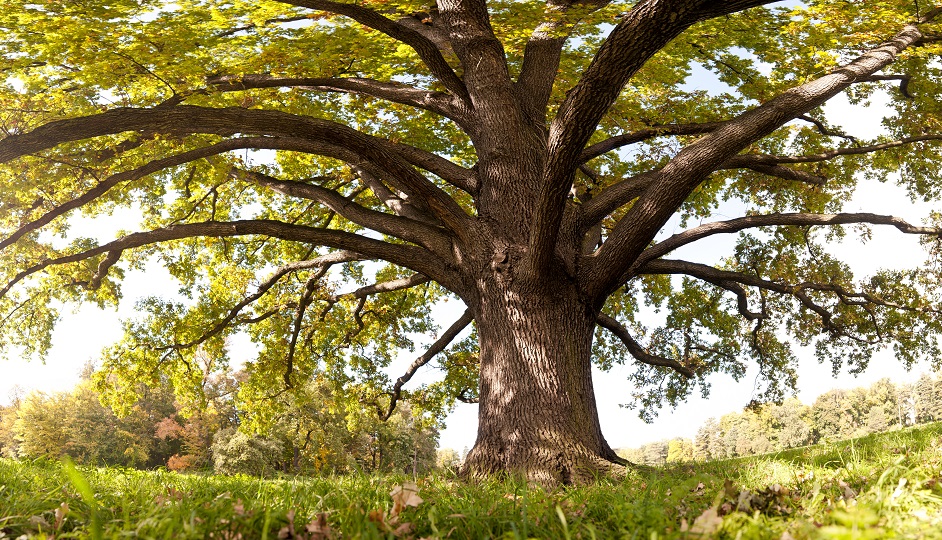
836 414
314 429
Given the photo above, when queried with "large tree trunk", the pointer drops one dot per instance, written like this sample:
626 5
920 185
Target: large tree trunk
538 415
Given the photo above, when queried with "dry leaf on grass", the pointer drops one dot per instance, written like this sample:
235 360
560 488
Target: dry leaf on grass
317 529
706 524
405 495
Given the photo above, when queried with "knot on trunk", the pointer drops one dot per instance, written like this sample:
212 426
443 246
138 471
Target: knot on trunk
505 259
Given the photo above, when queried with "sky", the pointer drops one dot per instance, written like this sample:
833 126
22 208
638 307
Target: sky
81 334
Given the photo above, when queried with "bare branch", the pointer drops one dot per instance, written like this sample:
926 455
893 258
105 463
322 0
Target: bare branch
831 154
785 173
309 287
427 50
386 286
824 130
637 351
436 348
903 83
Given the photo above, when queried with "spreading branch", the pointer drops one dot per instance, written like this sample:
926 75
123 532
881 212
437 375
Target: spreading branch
126 176
413 257
625 139
784 219
646 29
436 348
323 262
227 121
693 164
637 350
437 102
427 50
799 291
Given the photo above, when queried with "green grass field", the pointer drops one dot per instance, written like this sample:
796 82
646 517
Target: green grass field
881 486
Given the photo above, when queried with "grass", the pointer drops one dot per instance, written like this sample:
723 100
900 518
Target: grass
880 486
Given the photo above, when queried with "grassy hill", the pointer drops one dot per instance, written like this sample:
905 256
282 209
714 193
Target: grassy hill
880 486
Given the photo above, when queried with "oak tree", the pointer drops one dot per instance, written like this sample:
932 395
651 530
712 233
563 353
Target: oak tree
318 173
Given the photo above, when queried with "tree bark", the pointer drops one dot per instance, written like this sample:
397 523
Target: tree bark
538 416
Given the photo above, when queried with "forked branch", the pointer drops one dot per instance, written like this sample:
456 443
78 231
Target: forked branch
694 163
437 102
794 219
440 344
322 262
413 257
426 49
638 351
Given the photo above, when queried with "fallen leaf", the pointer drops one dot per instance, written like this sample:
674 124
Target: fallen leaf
848 492
707 523
403 529
60 514
39 522
318 528
405 495
786 536
377 517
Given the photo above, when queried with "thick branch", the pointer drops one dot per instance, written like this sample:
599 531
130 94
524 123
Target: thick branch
648 27
191 119
393 201
426 49
436 348
614 197
406 229
676 180
412 257
636 350
543 51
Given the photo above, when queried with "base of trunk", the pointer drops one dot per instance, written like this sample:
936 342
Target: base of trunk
547 465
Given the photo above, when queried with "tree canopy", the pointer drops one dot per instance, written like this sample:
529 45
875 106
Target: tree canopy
317 174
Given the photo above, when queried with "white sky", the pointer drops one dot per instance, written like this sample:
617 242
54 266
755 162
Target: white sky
82 334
